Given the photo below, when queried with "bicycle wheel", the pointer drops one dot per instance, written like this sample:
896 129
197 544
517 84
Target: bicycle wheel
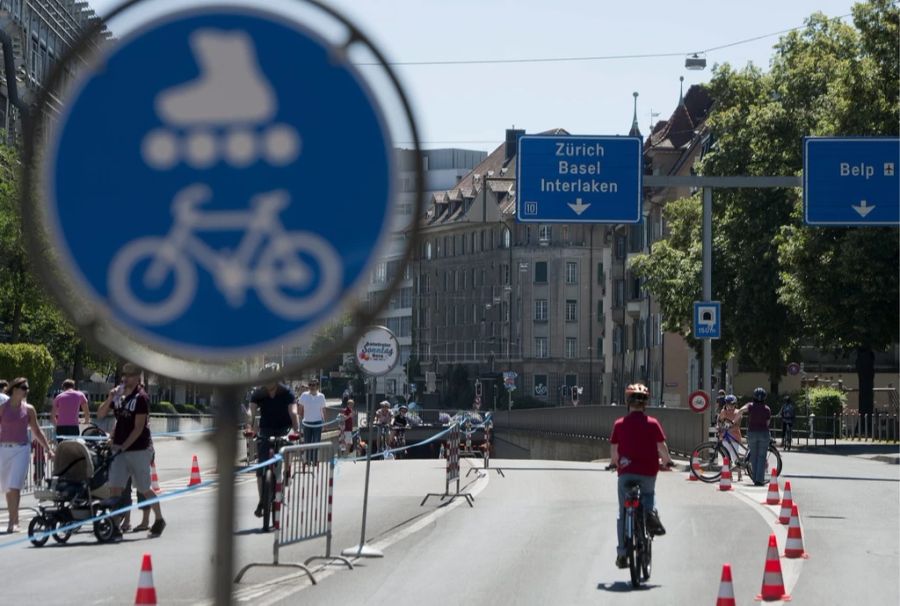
38 526
268 496
646 553
707 461
632 551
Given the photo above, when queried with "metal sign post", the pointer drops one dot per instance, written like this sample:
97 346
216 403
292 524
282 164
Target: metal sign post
377 353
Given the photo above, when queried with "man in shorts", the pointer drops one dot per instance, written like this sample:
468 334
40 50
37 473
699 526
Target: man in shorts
131 443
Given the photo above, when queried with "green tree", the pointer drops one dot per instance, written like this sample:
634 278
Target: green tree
843 282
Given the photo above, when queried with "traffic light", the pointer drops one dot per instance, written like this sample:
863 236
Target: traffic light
477 388
575 395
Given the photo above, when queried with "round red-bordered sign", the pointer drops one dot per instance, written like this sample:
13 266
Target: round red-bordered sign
698 401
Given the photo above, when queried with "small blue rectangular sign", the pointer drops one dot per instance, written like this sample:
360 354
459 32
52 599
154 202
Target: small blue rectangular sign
851 180
707 320
579 179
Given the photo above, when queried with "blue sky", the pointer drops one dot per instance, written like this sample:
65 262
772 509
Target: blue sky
471 105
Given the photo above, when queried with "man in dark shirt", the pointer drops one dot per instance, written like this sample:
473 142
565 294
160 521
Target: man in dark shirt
277 410
758 416
131 441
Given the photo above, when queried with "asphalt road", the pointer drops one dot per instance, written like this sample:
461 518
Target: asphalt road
542 534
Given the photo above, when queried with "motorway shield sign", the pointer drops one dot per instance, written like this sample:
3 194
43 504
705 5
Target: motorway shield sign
579 179
197 188
707 320
851 181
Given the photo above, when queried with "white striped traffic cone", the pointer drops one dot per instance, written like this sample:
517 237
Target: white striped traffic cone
146 593
726 589
154 479
195 473
793 547
694 465
787 501
772 497
773 581
725 478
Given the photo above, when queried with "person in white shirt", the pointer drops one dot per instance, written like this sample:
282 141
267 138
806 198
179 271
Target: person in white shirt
312 411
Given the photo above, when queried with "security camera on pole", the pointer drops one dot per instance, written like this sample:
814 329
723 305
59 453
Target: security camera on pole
377 352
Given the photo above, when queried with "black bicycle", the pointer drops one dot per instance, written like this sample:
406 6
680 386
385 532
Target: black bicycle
787 434
271 472
708 458
638 540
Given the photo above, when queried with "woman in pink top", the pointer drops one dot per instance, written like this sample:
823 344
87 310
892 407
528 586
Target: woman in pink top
66 407
16 416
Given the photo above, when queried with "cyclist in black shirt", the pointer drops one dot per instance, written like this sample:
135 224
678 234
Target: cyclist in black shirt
277 410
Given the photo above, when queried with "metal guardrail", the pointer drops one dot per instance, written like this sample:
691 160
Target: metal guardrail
683 427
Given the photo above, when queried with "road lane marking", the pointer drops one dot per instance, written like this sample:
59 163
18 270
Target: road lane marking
267 593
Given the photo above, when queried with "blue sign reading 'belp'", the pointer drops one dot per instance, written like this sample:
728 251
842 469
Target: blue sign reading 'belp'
579 179
219 180
851 181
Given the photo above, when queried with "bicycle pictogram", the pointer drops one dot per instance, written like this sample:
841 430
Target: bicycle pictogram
269 259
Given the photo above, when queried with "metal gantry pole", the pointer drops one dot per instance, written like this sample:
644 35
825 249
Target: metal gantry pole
706 380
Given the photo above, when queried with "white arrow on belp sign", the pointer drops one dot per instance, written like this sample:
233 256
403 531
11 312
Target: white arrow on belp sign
579 206
862 208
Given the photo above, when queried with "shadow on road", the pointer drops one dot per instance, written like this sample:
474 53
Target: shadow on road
623 587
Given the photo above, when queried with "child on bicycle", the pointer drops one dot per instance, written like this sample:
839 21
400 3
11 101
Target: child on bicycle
730 423
636 446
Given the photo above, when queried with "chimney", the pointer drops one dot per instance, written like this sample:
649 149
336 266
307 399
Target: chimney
512 141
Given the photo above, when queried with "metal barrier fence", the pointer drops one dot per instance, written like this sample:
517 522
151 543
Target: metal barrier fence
684 428
452 470
303 509
878 427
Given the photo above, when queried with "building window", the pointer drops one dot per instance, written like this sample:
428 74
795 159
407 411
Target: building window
428 250
540 386
571 272
571 310
618 338
505 237
540 272
571 347
544 234
600 276
540 310
504 274
541 348
620 247
381 273
619 293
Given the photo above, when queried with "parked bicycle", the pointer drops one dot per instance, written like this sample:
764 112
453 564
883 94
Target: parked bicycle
708 458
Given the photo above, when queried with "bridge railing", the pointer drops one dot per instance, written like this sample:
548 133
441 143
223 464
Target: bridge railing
684 428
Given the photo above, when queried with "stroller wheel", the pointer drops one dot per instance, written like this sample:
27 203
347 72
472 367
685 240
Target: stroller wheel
104 530
37 526
62 537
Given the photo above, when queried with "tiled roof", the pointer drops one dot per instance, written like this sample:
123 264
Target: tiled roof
679 129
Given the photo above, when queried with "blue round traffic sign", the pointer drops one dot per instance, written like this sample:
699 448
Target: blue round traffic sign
218 181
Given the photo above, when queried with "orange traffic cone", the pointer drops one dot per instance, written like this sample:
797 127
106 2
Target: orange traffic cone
146 593
726 589
793 547
694 466
725 478
154 479
195 472
772 497
773 582
787 502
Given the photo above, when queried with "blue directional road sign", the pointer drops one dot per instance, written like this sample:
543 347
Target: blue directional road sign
707 319
579 179
198 181
851 181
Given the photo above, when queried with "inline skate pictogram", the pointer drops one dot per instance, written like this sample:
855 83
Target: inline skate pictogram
226 114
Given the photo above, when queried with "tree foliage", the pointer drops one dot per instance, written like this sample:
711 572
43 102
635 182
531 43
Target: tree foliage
781 282
32 362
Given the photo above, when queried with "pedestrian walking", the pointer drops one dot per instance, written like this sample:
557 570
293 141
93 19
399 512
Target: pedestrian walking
16 417
312 411
66 407
132 443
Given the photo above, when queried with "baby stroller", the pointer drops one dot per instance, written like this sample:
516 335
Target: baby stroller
76 492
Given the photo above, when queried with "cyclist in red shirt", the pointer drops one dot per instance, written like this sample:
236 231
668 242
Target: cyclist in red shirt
636 446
